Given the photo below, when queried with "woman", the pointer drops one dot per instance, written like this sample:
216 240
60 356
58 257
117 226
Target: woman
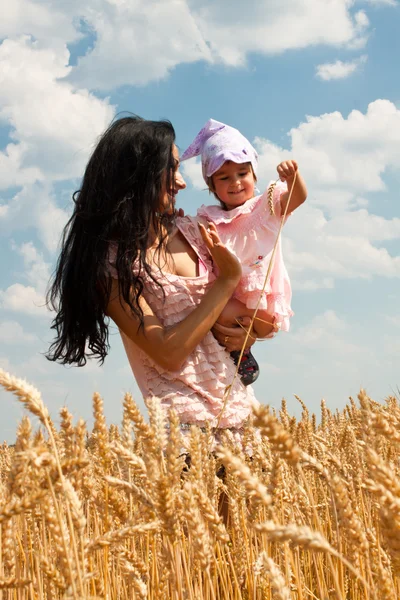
126 257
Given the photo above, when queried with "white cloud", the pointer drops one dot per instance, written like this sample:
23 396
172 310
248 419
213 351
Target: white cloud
270 368
37 270
13 333
319 327
50 220
339 69
23 299
37 365
342 155
55 124
331 334
12 171
327 356
5 364
319 250
269 27
191 170
393 320
134 45
311 285
341 159
383 2
34 207
138 42
360 222
42 19
125 371
269 156
53 128
28 299
38 371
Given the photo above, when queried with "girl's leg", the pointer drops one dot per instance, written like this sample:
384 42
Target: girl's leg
248 369
265 325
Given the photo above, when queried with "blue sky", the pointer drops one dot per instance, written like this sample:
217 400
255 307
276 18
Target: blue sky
316 80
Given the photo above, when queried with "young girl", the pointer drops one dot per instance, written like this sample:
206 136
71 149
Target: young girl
248 225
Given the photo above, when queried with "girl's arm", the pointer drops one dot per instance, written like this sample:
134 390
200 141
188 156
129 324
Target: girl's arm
286 171
169 347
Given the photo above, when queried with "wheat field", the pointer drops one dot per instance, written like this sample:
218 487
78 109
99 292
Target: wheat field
313 513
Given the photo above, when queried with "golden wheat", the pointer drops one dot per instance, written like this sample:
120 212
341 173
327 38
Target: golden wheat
311 511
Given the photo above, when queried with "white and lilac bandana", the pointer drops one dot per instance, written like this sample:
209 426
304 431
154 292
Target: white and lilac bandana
217 143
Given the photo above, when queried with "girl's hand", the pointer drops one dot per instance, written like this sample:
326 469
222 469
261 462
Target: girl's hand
287 169
227 263
233 338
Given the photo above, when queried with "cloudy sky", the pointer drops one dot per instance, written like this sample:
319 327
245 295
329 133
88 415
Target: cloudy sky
316 80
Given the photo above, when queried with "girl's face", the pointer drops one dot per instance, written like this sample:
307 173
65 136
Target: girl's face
234 184
167 203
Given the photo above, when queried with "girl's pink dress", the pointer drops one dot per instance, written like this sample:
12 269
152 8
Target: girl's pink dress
197 390
250 232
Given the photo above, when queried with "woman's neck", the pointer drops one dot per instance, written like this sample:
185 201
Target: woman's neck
165 228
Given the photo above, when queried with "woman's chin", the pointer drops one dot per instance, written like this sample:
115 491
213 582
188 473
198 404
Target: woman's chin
169 213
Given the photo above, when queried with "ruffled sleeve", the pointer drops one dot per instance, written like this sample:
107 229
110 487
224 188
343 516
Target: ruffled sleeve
220 216
255 205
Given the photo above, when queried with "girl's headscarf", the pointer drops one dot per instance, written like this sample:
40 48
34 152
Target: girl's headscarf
217 143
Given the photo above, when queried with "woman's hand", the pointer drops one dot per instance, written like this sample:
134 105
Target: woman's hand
228 265
233 338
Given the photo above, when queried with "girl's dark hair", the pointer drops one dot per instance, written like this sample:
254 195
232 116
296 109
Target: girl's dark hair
117 205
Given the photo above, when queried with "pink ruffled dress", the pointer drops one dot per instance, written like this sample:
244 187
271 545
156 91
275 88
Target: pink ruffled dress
197 390
250 232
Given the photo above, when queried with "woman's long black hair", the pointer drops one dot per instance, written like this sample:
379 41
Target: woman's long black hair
118 203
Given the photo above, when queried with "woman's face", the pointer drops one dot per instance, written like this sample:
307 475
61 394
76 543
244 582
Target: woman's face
168 197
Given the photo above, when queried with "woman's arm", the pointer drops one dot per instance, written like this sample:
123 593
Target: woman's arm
169 347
